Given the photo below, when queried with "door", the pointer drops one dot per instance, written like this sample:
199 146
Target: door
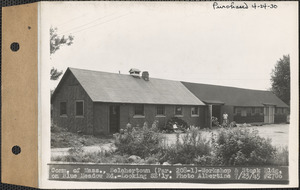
114 118
269 112
216 112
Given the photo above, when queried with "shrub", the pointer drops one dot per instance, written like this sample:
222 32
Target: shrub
56 129
169 127
281 157
215 121
141 142
240 146
233 124
191 146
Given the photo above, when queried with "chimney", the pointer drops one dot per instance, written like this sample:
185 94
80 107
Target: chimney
135 72
145 75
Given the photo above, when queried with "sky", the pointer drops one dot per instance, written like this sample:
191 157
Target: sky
185 41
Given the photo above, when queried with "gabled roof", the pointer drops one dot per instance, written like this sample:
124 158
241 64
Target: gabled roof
214 94
120 88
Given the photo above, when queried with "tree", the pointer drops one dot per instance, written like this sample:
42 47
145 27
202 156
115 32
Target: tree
280 79
56 42
55 74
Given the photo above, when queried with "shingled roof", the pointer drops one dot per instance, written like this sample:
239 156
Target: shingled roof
121 88
233 96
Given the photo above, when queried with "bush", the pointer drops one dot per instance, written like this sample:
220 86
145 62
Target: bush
56 129
215 121
191 146
140 142
169 127
240 146
282 157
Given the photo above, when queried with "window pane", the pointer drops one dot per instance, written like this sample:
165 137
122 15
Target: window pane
79 108
248 110
243 112
238 110
139 109
279 110
160 110
194 110
178 110
63 108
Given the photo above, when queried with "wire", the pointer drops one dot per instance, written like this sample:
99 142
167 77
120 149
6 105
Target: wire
99 24
78 27
70 20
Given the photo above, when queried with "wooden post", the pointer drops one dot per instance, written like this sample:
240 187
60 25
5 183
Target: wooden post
209 115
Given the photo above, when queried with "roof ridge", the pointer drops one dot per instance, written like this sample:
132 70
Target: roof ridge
226 86
119 74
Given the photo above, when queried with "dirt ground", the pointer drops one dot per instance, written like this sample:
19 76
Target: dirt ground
279 134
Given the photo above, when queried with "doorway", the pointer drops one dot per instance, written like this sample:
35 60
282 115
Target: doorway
269 112
114 118
216 112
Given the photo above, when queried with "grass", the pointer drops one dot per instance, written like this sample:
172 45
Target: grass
61 138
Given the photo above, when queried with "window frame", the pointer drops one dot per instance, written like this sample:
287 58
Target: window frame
248 111
197 114
163 109
279 112
175 109
65 114
259 109
77 101
134 110
236 110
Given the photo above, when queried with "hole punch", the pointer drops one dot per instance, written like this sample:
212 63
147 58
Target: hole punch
16 150
15 46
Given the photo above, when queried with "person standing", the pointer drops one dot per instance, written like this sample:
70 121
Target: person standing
225 118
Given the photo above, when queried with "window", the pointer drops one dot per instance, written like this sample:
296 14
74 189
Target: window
160 110
139 109
238 110
258 110
63 108
178 110
79 108
195 111
279 110
249 111
243 112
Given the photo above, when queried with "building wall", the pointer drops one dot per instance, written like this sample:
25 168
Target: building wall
280 118
127 115
255 118
101 116
248 114
70 91
281 115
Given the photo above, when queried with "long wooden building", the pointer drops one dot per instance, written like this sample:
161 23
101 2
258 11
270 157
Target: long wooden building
95 102
99 102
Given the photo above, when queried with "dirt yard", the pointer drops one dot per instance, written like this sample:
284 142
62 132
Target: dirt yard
277 132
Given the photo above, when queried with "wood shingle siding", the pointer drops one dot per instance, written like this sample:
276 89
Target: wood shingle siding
71 93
